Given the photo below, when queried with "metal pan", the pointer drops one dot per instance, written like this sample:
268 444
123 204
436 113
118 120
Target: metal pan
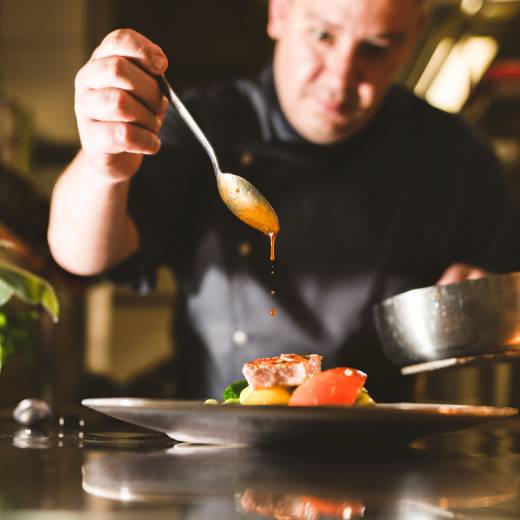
440 326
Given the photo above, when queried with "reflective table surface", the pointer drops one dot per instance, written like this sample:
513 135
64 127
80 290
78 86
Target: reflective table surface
86 465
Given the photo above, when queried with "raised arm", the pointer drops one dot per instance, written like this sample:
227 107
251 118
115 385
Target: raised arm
119 111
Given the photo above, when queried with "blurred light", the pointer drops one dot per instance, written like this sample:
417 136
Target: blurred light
471 7
430 71
347 513
515 340
463 68
125 494
502 10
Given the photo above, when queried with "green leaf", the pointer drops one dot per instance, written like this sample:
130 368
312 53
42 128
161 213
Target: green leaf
233 390
6 292
27 287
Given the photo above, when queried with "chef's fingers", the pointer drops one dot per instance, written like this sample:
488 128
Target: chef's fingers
116 105
114 138
121 73
460 272
131 44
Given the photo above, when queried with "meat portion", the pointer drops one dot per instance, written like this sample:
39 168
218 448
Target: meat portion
283 370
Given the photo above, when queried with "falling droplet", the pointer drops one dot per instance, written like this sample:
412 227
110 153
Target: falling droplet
273 292
273 312
272 239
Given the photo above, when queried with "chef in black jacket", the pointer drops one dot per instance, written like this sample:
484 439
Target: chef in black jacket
376 192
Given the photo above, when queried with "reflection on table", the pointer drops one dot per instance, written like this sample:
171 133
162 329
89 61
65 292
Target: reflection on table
94 467
304 484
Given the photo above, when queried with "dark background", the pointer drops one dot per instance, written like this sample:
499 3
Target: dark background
205 40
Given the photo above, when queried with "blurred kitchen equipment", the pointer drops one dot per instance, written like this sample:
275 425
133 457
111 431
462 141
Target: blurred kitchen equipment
16 135
494 108
441 326
239 195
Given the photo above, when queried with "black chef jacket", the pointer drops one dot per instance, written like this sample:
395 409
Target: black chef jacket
383 212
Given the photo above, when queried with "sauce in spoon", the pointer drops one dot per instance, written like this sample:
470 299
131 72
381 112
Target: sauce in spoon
250 206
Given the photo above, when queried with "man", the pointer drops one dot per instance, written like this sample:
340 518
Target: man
376 192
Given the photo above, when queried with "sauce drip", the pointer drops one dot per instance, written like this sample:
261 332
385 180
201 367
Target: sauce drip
273 312
272 239
250 206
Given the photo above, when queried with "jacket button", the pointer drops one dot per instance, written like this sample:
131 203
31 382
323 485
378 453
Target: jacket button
244 248
240 338
246 158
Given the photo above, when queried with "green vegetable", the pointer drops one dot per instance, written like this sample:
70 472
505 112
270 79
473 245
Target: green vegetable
233 390
364 399
233 400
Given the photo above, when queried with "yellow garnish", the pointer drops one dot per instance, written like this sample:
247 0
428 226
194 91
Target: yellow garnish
262 396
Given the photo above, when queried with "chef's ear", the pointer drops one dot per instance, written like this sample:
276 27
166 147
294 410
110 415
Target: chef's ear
278 12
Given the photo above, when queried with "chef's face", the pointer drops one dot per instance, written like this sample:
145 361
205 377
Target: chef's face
335 59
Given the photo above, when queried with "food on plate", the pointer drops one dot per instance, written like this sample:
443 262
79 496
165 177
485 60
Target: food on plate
292 506
283 370
275 395
296 380
340 385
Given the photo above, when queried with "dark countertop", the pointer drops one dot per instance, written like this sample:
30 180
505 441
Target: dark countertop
95 467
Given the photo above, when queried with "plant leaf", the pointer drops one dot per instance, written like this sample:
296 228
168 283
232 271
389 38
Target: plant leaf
6 291
28 287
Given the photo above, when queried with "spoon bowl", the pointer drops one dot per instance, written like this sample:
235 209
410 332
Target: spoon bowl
238 194
247 203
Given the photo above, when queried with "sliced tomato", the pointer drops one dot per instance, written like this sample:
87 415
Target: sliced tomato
337 386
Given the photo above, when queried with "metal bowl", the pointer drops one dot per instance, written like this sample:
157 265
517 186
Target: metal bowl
439 326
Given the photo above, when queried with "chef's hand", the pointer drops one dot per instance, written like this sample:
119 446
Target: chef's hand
118 104
460 272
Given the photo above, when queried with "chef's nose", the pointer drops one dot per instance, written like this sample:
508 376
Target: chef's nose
343 68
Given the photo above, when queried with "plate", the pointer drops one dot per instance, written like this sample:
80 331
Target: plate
192 421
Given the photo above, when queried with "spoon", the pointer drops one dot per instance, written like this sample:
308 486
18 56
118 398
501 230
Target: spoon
238 194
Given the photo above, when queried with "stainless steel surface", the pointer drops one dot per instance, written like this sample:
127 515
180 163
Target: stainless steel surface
470 321
111 470
460 361
31 411
268 480
388 424
239 195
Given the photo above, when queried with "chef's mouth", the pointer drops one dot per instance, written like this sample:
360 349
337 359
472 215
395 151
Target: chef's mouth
339 109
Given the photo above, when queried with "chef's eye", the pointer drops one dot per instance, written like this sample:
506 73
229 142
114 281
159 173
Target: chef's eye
375 49
321 35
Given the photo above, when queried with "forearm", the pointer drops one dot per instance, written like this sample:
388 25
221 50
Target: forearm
89 228
120 109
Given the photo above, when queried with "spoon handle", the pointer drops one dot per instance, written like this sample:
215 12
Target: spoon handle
168 91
